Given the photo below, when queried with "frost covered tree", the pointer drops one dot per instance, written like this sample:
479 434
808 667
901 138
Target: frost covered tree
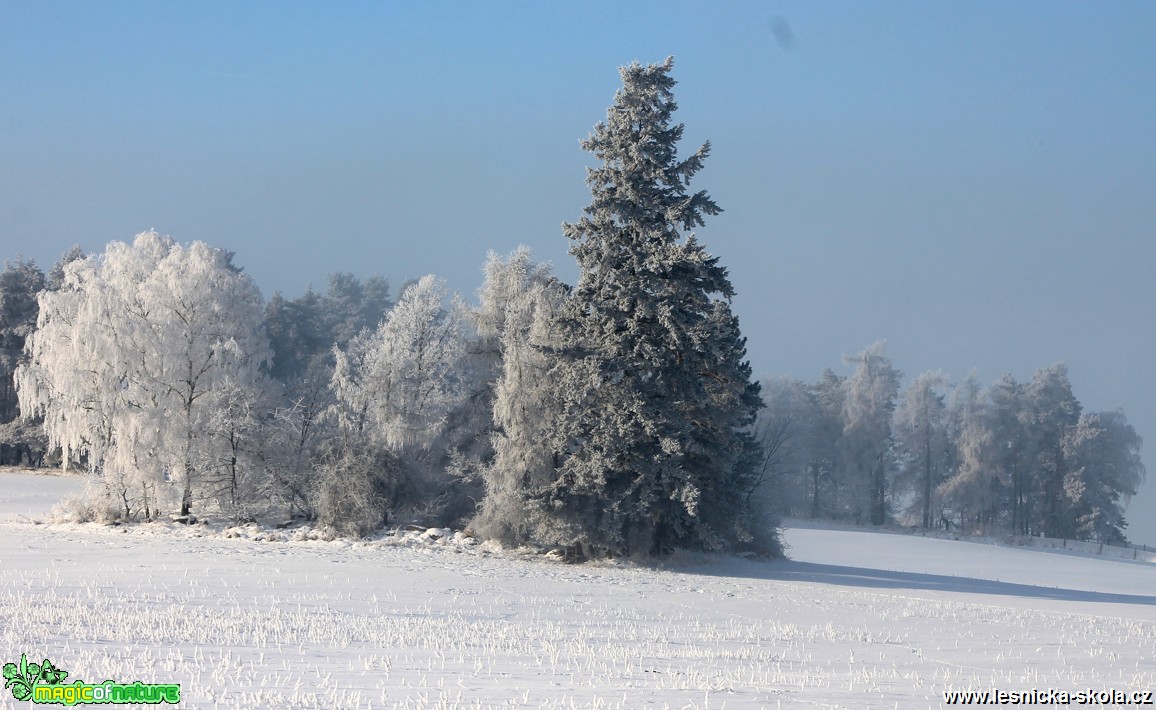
470 430
826 470
506 301
130 358
1104 472
55 276
1017 457
303 366
920 430
654 442
785 430
298 335
20 284
400 382
358 484
303 333
236 466
974 488
867 412
1016 450
1051 410
351 305
517 324
396 389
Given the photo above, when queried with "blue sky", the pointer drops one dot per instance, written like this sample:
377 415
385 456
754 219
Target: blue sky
973 182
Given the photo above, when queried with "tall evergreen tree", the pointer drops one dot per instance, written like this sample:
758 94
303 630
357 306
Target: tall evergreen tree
654 439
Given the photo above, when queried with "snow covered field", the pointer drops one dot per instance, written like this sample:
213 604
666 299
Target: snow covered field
854 619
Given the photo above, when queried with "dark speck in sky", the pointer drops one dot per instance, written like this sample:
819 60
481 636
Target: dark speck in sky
784 35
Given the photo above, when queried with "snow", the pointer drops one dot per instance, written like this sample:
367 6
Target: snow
32 493
854 619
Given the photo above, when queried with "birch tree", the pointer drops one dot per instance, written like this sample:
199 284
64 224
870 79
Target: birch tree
976 484
920 429
130 356
400 382
867 411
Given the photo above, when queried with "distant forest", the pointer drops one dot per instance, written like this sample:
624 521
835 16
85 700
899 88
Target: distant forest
1012 457
616 416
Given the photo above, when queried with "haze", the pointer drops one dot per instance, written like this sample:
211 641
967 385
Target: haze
974 183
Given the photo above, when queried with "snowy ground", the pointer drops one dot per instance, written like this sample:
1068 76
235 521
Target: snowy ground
854 619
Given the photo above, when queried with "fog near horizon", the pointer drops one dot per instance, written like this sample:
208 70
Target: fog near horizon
972 183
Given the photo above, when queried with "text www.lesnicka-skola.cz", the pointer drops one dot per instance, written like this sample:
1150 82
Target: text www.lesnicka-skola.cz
1047 696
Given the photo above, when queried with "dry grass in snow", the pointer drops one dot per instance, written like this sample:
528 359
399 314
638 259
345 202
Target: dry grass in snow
261 619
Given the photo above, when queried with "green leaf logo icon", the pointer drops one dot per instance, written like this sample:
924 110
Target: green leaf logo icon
19 679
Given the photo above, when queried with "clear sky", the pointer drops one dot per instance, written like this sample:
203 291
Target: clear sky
974 182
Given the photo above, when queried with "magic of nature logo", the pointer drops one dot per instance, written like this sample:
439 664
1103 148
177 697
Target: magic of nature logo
44 683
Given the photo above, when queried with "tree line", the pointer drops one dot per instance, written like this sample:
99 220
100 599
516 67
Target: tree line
1012 457
615 416
611 417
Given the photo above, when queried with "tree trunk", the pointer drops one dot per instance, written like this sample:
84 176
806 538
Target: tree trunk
927 475
814 490
878 494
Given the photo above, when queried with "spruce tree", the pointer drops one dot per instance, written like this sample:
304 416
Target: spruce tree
653 447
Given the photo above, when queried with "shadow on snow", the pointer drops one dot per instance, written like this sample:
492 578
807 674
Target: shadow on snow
867 578
791 571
